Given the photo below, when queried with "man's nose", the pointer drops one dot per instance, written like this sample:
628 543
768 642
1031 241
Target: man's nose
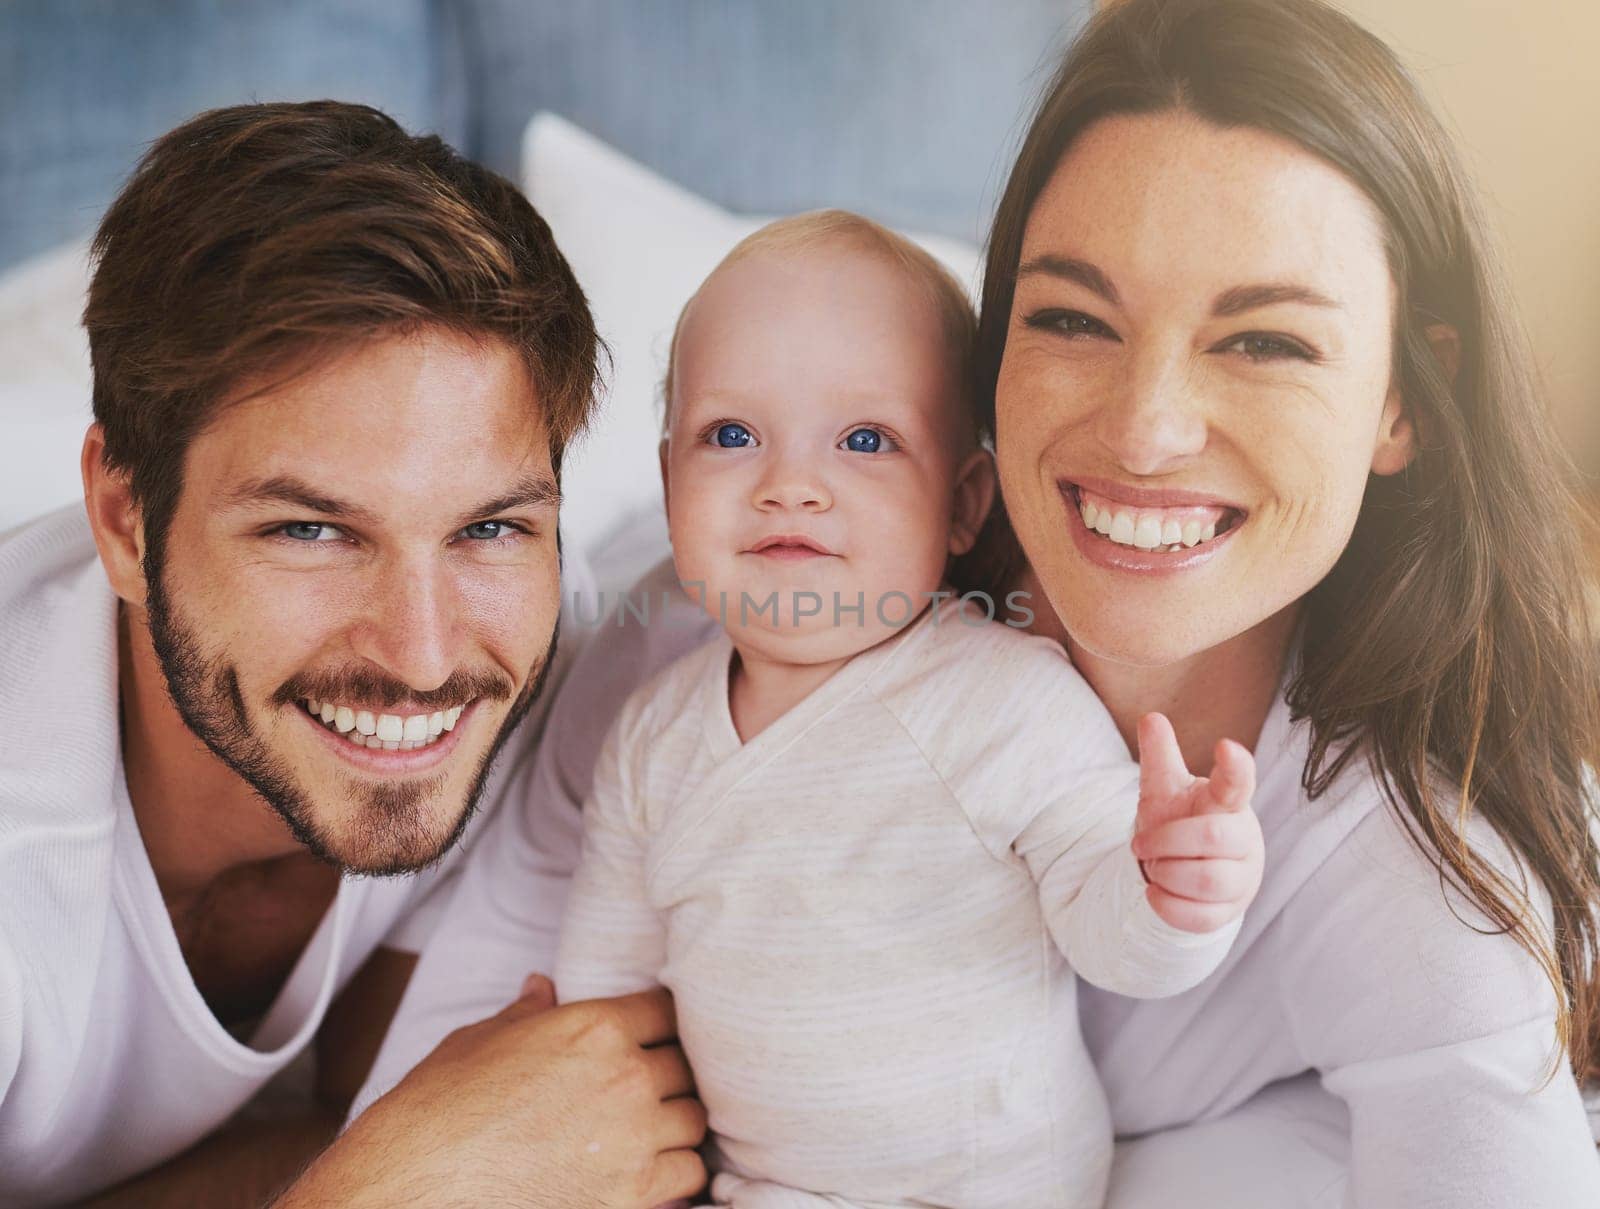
792 482
1158 419
411 623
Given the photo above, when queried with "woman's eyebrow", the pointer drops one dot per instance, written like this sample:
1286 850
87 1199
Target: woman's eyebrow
1070 268
1235 301
1248 297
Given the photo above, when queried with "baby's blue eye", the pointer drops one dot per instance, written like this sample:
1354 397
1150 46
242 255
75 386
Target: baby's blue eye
864 440
733 436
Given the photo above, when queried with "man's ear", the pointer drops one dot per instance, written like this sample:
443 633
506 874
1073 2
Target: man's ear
1398 439
114 518
666 484
974 496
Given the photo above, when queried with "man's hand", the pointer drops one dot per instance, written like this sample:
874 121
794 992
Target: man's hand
544 1107
1196 838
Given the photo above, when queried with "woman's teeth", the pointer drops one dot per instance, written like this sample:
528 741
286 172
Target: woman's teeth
389 732
1146 529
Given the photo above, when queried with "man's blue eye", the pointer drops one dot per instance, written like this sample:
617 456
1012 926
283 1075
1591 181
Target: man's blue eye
864 440
308 531
733 436
487 530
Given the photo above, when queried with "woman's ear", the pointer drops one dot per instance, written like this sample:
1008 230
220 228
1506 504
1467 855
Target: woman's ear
974 496
1446 344
1398 438
114 518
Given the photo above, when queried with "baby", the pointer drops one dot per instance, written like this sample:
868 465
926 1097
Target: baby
867 836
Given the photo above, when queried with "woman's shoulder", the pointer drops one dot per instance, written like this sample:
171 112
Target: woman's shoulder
1382 953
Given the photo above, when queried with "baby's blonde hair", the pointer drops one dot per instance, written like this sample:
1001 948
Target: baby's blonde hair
808 230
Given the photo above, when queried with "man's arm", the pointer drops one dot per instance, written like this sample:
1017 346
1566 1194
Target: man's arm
241 1166
539 1107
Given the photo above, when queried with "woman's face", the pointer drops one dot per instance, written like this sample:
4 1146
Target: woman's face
1195 384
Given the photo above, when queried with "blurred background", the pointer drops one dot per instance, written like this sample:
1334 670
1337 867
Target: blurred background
907 110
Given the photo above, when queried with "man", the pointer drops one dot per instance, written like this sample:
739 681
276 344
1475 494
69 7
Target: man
315 594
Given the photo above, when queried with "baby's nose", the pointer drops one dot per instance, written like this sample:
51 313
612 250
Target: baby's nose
795 487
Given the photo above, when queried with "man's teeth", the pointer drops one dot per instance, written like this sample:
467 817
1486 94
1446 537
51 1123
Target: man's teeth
389 732
1146 530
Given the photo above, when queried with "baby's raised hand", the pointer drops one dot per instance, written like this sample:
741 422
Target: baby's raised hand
1196 838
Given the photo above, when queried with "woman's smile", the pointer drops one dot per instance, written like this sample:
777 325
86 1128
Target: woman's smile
1159 520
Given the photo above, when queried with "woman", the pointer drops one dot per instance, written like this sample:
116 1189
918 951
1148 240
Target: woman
1237 269
1236 280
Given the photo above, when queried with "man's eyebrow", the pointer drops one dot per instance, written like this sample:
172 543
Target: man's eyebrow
1070 268
533 490
1248 297
287 489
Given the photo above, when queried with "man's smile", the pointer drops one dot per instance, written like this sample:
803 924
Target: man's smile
388 743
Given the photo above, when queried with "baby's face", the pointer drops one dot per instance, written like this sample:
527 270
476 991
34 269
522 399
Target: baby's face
815 446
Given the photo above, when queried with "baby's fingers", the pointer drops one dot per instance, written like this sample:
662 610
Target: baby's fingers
1229 836
1188 915
1206 881
1233 778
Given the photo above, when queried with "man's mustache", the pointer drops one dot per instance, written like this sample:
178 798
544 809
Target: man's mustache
370 687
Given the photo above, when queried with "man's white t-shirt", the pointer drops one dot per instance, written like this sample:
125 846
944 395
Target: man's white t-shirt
110 1059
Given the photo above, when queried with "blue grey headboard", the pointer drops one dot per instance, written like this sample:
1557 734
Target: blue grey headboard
904 109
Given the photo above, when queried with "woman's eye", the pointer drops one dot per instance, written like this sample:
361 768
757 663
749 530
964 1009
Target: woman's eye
865 440
1263 346
309 531
485 531
733 436
1068 323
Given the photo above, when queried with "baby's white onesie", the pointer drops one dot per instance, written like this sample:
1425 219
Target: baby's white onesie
870 916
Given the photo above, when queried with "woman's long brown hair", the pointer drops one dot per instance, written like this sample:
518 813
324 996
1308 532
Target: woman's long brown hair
1451 646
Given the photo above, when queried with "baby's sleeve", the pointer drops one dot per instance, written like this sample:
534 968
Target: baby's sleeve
1071 820
613 942
1038 766
1092 893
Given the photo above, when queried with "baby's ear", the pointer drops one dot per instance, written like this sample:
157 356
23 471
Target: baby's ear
666 489
973 497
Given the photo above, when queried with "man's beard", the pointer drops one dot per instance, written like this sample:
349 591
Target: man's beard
391 832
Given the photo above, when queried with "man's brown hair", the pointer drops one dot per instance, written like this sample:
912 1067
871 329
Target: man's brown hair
252 240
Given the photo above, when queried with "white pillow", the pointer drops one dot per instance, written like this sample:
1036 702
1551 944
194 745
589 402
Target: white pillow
640 246
44 383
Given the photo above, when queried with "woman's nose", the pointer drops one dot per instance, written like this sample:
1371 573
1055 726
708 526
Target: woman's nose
792 483
1156 421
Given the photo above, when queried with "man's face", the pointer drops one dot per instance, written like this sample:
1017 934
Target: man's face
375 538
